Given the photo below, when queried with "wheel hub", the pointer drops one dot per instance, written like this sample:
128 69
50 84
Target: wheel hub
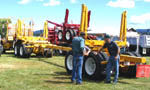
21 51
59 35
69 62
90 66
68 36
15 50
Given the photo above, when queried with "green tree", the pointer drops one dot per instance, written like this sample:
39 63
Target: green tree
3 26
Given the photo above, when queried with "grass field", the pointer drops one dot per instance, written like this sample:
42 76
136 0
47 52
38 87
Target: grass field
49 74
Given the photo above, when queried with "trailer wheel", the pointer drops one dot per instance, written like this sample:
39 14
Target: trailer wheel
68 62
60 35
69 35
47 53
16 50
92 67
23 53
129 71
74 32
4 51
1 49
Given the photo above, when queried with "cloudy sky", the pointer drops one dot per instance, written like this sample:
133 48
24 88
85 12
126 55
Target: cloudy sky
105 17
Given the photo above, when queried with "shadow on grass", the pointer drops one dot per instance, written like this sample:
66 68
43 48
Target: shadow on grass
55 74
39 74
51 63
122 82
56 82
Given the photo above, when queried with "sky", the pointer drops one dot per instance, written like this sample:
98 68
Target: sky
105 14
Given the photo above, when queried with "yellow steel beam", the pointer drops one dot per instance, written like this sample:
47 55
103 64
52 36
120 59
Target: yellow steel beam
50 46
86 21
121 26
82 18
127 58
132 59
45 33
125 27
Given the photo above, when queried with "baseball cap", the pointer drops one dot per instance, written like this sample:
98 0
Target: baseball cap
107 36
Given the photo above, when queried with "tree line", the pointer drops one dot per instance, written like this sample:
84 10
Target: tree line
3 26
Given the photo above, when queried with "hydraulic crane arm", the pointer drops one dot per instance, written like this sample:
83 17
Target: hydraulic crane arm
123 27
84 20
58 25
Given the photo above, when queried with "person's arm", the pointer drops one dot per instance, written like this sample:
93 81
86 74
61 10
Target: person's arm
118 51
101 49
87 50
82 45
105 46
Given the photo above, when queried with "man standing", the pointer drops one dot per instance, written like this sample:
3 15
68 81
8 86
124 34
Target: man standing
114 58
78 48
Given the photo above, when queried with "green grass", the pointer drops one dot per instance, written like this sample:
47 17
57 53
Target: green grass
49 74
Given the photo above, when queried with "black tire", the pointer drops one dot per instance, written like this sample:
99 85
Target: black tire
104 56
129 53
69 35
39 55
4 51
97 72
16 50
136 54
129 71
55 52
23 52
74 32
48 53
68 62
60 35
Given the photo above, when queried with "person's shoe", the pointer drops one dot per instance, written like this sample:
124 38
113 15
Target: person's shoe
107 82
72 81
114 82
78 83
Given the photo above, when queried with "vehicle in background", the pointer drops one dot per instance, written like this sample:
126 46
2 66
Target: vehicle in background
7 41
139 41
144 41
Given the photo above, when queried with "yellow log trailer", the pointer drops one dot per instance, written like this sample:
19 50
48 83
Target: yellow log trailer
25 45
95 65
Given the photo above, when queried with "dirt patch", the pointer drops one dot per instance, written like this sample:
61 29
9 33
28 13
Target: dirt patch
6 66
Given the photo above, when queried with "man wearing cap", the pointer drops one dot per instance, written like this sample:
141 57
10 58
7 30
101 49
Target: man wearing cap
113 60
78 48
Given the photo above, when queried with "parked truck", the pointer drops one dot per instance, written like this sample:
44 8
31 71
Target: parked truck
139 41
143 42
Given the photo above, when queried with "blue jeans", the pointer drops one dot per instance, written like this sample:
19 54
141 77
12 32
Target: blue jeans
77 68
112 63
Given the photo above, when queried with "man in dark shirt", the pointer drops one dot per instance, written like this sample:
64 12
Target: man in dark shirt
79 50
114 58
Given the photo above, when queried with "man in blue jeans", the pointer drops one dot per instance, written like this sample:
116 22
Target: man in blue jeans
113 60
78 48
